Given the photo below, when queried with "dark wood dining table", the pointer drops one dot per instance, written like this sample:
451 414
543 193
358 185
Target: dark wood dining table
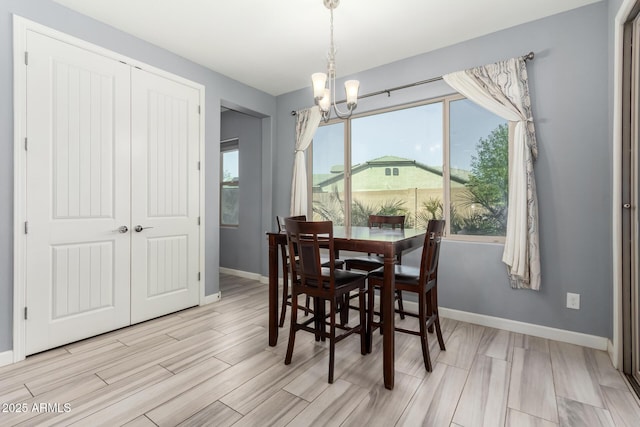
386 242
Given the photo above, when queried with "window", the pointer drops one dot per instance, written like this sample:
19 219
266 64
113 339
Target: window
327 180
395 161
478 170
229 182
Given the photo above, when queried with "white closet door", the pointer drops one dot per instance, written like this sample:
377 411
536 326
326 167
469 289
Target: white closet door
78 193
165 196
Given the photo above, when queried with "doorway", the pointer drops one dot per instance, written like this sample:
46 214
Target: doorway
241 192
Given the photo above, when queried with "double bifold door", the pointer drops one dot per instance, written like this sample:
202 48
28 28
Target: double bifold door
112 194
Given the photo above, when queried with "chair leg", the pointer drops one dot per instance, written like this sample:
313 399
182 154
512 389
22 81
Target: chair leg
307 302
429 309
370 300
285 297
292 330
344 309
332 338
381 318
400 304
364 338
318 316
434 307
422 318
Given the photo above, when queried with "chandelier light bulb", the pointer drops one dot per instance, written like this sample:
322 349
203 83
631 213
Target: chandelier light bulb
325 101
319 82
351 88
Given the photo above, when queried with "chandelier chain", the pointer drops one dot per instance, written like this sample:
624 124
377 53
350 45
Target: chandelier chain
332 48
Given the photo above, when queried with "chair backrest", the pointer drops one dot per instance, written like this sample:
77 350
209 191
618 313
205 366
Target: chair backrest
382 220
431 250
307 237
280 220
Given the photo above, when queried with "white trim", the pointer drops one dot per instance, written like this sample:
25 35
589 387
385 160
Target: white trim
240 273
6 358
265 280
616 224
591 341
208 299
203 264
20 27
585 340
610 349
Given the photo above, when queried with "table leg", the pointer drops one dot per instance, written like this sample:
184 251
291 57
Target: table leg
388 326
273 290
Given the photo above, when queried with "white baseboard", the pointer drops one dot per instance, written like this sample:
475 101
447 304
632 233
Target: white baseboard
208 299
240 273
245 274
584 340
591 341
265 280
6 358
612 354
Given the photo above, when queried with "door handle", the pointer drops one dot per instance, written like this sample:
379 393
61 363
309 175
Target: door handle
122 229
139 228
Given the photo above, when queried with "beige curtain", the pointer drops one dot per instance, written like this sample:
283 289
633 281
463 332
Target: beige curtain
307 122
502 88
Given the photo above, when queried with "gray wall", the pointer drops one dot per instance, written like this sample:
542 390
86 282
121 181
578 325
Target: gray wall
570 96
569 81
219 89
244 257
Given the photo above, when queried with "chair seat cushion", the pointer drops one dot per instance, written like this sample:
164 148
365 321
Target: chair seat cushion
342 277
373 260
325 262
403 273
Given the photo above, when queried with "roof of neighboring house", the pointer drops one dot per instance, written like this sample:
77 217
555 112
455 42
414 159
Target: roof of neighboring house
458 175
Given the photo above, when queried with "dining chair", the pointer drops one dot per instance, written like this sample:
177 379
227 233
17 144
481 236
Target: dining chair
422 281
284 254
371 262
323 284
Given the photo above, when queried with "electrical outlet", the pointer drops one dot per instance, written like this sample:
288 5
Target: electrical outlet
573 301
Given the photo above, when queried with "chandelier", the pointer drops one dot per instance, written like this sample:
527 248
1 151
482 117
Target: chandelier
324 84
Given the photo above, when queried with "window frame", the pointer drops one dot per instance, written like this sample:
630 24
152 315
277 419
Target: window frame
446 154
228 145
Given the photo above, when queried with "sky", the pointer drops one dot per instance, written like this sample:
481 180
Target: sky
414 133
230 163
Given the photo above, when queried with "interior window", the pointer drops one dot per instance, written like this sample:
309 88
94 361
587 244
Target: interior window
229 182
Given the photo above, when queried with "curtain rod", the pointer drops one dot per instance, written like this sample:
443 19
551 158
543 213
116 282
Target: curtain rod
528 57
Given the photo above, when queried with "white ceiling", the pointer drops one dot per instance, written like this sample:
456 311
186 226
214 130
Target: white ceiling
275 45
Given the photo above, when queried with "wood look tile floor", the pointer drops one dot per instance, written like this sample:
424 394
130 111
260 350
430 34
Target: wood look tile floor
211 366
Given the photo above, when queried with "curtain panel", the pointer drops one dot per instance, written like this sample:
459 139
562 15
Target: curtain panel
503 89
307 122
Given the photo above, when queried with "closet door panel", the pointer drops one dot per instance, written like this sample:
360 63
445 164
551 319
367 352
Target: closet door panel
78 193
165 196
